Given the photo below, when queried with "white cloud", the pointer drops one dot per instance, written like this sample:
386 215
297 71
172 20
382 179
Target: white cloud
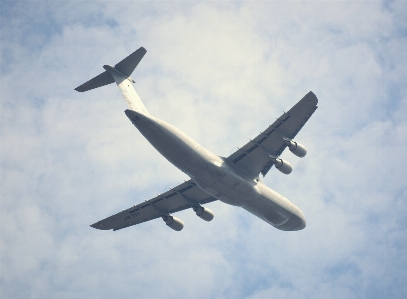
220 72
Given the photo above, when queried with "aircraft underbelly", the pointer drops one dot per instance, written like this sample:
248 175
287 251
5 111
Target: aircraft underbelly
168 143
218 179
257 199
268 209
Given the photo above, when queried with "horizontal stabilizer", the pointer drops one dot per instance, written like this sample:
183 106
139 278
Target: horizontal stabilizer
125 67
103 79
128 64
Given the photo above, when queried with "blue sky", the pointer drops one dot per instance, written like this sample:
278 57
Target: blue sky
221 72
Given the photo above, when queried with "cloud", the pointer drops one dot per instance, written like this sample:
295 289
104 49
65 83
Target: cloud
221 73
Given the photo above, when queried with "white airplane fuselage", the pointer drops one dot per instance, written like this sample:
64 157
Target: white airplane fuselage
216 176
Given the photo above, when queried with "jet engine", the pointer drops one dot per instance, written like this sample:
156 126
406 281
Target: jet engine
204 213
282 165
173 222
296 148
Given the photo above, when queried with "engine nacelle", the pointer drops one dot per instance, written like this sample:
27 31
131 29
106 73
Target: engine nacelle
174 222
296 148
204 213
283 165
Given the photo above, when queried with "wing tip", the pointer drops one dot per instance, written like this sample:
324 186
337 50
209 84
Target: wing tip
312 97
99 226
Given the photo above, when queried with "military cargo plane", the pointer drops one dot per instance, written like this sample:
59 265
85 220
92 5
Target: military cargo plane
234 180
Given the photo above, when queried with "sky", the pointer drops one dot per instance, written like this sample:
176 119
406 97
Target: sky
221 72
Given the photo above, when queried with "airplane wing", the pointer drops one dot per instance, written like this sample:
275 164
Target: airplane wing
253 159
182 197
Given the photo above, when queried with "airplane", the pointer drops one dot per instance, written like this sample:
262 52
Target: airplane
234 180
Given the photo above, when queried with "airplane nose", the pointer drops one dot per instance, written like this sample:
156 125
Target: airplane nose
302 224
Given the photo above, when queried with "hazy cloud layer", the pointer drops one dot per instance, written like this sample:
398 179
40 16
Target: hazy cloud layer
221 72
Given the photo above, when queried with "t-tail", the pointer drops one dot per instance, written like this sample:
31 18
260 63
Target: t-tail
120 73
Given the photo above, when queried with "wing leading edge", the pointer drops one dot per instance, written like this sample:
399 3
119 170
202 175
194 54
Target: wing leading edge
184 196
253 158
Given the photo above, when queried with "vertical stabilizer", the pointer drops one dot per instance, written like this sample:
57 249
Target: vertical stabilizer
128 64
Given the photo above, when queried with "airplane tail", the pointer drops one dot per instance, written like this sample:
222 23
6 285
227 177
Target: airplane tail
120 73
